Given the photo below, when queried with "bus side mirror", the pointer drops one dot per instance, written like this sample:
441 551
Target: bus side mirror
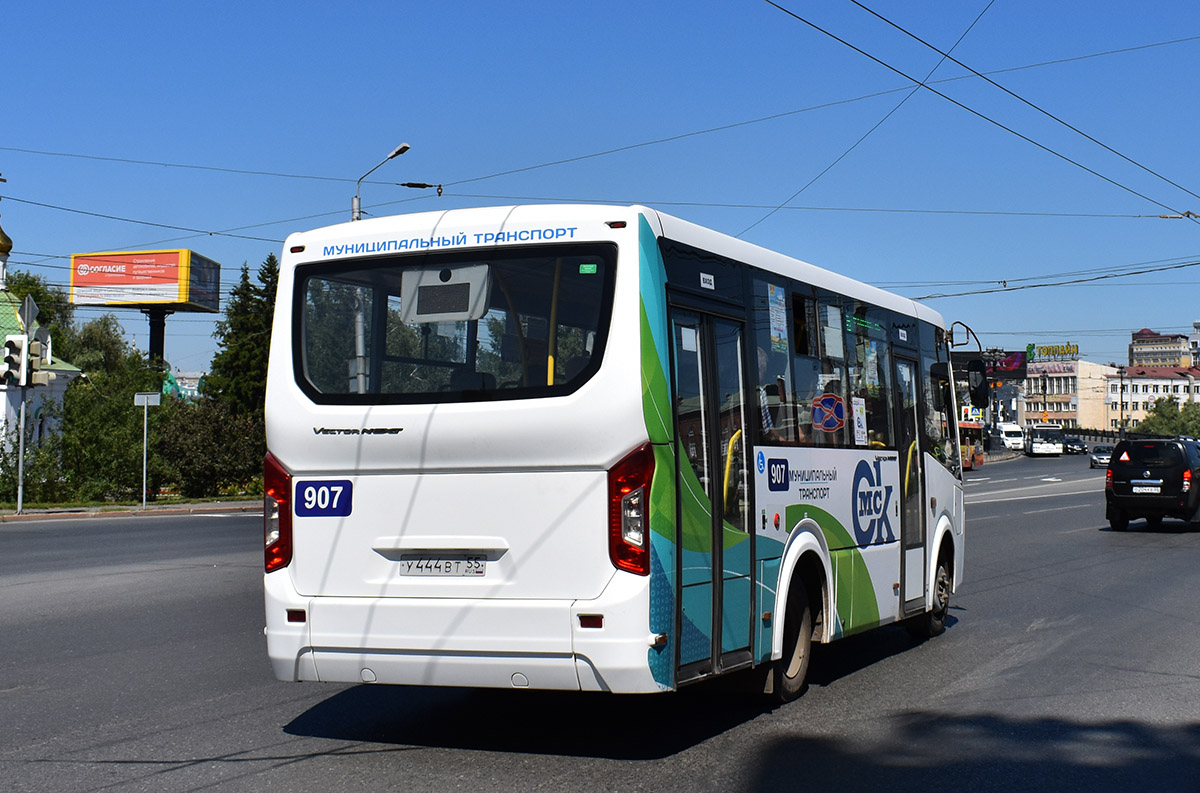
977 382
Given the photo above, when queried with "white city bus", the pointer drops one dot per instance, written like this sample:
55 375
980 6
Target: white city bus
595 448
1043 439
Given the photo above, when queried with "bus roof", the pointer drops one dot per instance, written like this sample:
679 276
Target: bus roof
452 225
701 237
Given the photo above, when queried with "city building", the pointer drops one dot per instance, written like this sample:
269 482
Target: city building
1067 392
1132 391
1194 343
1150 348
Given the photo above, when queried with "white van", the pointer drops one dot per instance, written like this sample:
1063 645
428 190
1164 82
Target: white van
1012 436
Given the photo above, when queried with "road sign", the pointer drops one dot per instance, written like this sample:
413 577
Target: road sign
29 312
146 400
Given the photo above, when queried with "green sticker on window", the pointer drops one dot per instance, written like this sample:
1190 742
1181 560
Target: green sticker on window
587 269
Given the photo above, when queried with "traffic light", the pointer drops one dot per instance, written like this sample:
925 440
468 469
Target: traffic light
37 358
15 363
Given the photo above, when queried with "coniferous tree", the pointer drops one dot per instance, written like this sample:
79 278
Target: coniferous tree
238 375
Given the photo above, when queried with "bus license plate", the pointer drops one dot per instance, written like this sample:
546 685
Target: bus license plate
1145 489
444 565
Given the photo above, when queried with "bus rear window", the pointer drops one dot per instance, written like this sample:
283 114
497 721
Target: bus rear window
453 327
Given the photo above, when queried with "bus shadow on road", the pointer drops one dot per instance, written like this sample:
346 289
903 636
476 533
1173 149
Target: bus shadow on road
623 727
842 658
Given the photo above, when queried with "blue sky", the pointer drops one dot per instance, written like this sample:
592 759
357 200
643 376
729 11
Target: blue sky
936 200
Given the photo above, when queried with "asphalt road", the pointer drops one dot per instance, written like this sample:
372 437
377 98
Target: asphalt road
132 659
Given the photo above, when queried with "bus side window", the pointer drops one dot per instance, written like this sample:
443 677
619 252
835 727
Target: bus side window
940 439
830 410
774 399
869 366
806 385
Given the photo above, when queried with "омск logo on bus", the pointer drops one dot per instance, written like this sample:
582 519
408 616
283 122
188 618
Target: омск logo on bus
871 501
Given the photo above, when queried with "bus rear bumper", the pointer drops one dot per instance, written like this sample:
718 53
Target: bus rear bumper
492 643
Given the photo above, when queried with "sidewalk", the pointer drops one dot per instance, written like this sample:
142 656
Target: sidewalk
127 510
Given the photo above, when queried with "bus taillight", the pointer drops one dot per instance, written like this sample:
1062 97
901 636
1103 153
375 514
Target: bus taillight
277 514
629 511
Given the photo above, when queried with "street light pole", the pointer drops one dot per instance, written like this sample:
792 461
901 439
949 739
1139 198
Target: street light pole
356 206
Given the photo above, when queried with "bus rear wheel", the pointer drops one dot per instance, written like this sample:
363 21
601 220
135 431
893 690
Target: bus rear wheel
791 670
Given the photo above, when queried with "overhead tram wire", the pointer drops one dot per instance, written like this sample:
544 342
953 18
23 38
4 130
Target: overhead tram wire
727 205
978 114
1116 269
772 117
228 232
200 232
561 199
867 134
1023 100
1069 282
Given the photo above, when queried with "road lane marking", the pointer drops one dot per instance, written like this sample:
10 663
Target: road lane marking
1049 509
986 500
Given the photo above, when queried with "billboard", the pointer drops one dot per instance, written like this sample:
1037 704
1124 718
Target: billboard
1000 365
1010 366
177 280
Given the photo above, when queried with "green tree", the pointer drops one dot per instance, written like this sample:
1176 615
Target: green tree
101 436
55 311
238 375
221 448
1168 418
99 346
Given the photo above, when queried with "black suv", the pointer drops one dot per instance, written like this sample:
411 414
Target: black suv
1153 479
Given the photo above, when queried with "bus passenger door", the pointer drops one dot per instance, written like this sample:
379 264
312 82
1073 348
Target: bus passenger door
912 517
714 573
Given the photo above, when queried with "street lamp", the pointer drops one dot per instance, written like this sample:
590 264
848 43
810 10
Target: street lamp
356 206
1045 392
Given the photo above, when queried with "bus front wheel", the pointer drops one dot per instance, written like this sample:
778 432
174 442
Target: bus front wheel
933 622
792 668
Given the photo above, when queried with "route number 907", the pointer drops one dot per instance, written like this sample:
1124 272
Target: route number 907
328 498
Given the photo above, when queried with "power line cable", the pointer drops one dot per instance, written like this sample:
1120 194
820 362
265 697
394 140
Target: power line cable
1071 282
1023 100
867 134
201 232
1115 268
772 117
728 205
976 113
226 232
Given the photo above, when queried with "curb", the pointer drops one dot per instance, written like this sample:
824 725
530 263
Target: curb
133 511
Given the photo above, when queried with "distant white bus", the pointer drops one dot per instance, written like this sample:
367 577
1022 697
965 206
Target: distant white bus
1044 439
595 448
